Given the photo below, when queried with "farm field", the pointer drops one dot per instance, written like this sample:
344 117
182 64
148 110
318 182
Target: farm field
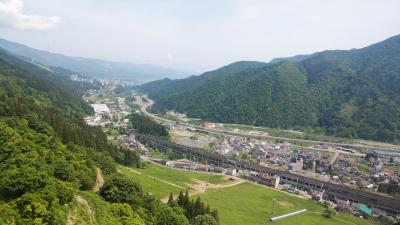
248 203
161 181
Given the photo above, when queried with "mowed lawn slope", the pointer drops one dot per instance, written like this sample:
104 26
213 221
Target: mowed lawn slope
249 203
161 181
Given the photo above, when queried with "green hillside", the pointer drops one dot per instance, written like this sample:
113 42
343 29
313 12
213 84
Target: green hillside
50 159
354 93
92 67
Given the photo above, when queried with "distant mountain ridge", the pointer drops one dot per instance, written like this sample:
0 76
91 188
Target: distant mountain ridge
96 68
348 93
296 58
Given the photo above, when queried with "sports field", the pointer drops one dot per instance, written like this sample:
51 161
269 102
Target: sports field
243 203
248 203
161 181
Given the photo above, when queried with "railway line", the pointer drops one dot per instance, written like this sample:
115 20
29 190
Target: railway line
331 190
215 131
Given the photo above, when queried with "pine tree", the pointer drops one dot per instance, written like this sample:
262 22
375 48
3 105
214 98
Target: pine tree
181 199
197 207
215 214
202 208
170 199
186 200
190 209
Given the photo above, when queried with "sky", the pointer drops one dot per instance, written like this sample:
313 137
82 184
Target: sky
196 35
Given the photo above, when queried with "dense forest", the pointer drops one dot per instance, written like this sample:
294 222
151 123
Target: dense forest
146 125
49 156
353 93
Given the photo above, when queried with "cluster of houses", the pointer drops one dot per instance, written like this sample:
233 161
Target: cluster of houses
346 206
234 145
101 115
126 141
77 77
341 166
107 113
105 116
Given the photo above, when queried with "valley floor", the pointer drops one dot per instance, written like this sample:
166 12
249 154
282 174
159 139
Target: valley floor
238 202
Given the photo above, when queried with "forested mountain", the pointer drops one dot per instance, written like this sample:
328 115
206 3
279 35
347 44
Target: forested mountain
353 93
296 58
92 67
49 156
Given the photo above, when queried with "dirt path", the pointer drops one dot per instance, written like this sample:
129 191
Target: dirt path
175 185
135 171
89 209
71 218
334 158
99 180
200 186
155 178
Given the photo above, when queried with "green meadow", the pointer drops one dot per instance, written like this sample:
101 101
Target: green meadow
248 203
245 203
160 181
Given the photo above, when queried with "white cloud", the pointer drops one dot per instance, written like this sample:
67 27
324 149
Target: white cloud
11 15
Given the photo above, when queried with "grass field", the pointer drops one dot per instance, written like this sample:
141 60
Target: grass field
245 203
249 203
161 181
157 154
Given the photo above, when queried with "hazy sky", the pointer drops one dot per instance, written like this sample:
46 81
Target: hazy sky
196 35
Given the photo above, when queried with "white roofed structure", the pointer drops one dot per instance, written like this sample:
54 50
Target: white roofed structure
100 108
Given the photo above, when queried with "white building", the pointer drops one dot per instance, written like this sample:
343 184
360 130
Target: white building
100 108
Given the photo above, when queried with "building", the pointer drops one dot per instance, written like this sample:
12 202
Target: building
231 171
343 206
296 166
100 108
364 210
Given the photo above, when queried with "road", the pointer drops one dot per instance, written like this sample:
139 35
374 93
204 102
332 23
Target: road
145 105
334 158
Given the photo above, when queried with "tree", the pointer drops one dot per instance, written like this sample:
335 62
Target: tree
186 200
204 220
125 214
215 214
181 199
197 209
120 189
131 158
317 92
170 199
329 212
208 209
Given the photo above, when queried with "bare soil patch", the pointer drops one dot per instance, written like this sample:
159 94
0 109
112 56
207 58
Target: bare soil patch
286 203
